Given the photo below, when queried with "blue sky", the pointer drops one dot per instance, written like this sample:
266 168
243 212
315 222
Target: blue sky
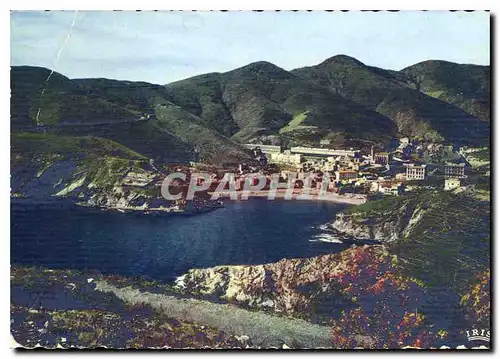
162 47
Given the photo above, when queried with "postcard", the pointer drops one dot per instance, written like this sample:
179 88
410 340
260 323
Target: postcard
250 180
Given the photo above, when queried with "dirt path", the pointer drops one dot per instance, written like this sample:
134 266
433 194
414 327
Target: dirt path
265 330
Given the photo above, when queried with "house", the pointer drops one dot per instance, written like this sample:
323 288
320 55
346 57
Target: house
286 158
310 151
138 179
345 174
328 166
415 172
387 188
454 171
267 149
452 183
381 158
392 189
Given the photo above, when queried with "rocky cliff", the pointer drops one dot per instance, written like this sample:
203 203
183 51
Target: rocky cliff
441 237
392 220
360 293
299 287
399 219
90 171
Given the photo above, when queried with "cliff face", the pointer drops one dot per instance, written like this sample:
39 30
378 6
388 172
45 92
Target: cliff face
365 294
437 237
291 286
386 225
360 293
441 237
90 171
431 217
109 182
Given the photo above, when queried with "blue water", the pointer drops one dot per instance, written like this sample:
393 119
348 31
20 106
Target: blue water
162 247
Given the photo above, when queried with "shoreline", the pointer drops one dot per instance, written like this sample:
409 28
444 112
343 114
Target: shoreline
55 203
281 194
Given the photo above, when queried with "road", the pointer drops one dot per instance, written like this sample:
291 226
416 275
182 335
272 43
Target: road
265 330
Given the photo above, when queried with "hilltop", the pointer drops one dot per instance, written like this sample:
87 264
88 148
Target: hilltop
465 86
135 114
210 115
397 96
262 99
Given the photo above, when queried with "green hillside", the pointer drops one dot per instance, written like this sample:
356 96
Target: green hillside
27 144
443 238
394 95
207 116
40 97
122 111
465 86
261 99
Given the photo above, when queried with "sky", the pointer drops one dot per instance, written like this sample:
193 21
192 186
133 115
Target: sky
162 47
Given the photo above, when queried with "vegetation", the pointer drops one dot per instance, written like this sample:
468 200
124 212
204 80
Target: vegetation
205 115
383 205
295 123
262 99
465 86
446 236
444 255
32 142
477 300
387 311
482 155
443 155
89 318
451 243
122 111
395 95
36 101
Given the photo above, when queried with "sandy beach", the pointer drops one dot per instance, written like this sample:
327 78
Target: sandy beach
296 195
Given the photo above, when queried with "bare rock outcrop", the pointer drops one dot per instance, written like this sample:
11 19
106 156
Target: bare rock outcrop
290 286
384 225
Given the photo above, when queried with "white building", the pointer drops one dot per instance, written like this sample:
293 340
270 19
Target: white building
415 172
454 171
286 158
138 179
345 174
452 183
267 149
387 188
323 151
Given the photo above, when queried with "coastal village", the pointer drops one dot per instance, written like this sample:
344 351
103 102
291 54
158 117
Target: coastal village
250 180
351 176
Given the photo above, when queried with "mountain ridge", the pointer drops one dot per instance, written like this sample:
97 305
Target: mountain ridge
395 95
341 99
